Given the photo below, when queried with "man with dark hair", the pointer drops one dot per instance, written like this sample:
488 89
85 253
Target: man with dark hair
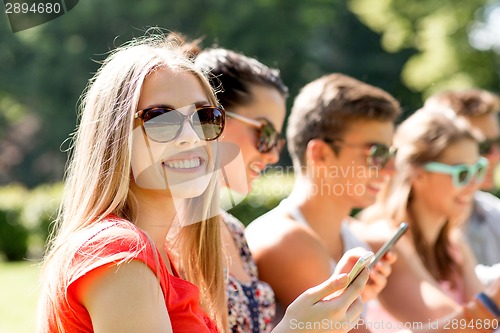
482 226
339 136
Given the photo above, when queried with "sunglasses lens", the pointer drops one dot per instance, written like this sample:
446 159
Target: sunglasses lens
162 124
208 123
379 156
463 177
268 139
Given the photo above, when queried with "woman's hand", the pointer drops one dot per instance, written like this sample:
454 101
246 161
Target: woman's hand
316 310
378 276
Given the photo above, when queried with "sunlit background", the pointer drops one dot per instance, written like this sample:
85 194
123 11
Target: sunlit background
411 48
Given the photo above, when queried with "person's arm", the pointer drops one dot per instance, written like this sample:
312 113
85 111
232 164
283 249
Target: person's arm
427 304
412 285
290 258
125 298
316 311
475 316
472 285
291 262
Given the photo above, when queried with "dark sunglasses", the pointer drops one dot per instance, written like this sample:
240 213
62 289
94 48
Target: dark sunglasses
268 138
164 124
378 155
462 174
485 147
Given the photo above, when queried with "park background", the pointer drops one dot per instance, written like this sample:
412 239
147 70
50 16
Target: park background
410 48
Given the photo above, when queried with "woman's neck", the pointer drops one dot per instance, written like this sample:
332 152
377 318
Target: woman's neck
155 214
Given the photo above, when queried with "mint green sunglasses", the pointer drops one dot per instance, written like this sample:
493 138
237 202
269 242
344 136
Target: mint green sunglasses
462 174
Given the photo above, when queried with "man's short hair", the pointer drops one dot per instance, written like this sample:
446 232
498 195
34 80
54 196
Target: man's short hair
327 107
467 103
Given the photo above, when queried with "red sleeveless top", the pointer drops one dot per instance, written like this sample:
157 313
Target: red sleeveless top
181 297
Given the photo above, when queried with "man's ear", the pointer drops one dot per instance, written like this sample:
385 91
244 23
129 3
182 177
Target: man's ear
317 151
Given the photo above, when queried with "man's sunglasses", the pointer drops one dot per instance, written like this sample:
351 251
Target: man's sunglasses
462 174
164 124
485 147
268 138
378 155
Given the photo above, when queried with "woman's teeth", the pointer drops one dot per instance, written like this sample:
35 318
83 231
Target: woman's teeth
184 164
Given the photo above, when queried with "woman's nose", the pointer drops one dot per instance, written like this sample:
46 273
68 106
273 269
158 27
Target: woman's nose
187 134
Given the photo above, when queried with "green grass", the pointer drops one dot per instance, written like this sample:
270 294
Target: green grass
18 296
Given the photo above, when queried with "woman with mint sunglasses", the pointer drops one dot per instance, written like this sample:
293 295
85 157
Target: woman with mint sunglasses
439 168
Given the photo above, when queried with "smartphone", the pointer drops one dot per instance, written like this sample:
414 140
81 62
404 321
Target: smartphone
362 262
389 244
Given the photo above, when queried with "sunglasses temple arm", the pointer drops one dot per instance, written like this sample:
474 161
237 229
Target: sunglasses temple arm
244 119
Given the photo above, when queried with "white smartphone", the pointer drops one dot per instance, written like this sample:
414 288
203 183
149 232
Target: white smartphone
362 262
389 244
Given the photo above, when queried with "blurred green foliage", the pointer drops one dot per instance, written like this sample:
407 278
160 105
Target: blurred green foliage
440 32
13 234
44 70
267 192
408 47
25 218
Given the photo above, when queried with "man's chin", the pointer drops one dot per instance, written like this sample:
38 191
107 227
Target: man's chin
365 202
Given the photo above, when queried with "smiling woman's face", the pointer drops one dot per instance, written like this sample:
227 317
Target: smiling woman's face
437 191
268 105
183 166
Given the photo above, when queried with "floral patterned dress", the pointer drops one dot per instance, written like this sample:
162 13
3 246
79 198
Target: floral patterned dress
251 306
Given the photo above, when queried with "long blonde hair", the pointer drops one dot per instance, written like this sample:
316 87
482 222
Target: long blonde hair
420 139
97 181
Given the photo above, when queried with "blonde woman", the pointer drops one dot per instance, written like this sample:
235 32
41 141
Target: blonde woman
144 161
95 274
438 171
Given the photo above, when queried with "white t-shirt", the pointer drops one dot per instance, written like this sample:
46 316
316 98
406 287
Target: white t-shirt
483 234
